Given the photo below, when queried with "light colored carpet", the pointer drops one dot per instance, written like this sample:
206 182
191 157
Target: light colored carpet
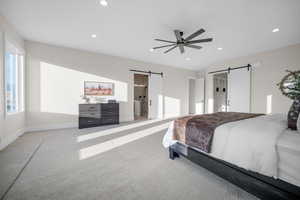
138 170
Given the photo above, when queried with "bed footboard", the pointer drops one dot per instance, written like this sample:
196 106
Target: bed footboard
259 185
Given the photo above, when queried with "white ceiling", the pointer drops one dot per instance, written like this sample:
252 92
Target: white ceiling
127 28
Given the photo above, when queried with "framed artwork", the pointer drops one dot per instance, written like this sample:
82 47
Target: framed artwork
93 88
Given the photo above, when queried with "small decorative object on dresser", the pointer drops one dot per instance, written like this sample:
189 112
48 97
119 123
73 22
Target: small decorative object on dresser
92 115
85 98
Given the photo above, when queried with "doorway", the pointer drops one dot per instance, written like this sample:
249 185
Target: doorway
141 96
220 92
192 96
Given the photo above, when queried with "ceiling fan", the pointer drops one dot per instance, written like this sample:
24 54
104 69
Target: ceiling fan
184 42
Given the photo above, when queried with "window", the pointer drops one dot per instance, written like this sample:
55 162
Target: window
14 81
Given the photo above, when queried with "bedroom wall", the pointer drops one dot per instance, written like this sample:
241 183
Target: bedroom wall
269 68
55 83
11 126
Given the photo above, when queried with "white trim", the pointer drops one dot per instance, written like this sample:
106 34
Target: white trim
74 125
9 46
12 45
3 77
21 74
14 113
48 127
10 138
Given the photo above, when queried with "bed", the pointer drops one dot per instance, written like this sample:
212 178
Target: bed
256 152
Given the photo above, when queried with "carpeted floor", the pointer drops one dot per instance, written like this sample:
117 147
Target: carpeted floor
136 168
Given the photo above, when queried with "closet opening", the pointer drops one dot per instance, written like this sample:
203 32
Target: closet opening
220 82
192 96
140 96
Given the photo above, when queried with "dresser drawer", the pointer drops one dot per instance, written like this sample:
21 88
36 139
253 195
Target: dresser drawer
91 114
110 106
109 112
110 109
85 122
110 119
89 107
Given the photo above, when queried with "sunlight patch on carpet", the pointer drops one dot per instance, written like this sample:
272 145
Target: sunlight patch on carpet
117 142
111 131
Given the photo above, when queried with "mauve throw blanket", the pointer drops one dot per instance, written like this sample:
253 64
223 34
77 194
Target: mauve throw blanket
198 130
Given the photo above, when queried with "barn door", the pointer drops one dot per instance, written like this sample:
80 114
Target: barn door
155 92
239 90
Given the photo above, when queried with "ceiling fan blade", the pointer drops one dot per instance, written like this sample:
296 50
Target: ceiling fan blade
169 45
178 36
199 32
193 46
199 41
165 41
181 48
170 49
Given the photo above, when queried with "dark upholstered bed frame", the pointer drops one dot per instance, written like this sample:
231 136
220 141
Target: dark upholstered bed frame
261 186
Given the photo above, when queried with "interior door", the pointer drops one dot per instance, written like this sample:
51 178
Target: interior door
192 96
199 93
239 90
155 92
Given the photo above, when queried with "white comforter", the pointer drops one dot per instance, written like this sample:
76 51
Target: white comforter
250 143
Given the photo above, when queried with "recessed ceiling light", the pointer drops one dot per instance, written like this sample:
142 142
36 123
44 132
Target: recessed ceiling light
220 48
93 35
187 58
151 50
103 3
275 30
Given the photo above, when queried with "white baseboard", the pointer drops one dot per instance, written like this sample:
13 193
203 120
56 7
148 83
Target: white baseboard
11 137
48 127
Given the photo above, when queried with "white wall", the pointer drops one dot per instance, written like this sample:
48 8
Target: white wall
269 71
11 126
55 82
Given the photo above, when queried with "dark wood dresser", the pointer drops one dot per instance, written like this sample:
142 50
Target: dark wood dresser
91 115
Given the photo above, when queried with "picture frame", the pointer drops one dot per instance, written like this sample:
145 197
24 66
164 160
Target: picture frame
98 89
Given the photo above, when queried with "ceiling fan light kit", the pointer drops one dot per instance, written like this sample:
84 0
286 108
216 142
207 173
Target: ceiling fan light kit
183 42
